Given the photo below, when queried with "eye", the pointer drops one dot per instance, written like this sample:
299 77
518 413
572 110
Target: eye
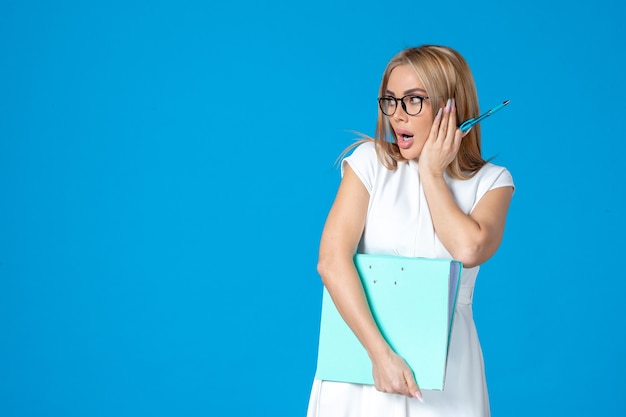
388 102
415 99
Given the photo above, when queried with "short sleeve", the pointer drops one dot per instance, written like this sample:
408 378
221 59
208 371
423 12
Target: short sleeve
492 177
364 163
501 177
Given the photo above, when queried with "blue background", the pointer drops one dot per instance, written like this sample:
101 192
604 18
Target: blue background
166 169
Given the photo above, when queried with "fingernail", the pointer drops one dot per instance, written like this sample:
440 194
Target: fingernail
448 105
438 113
418 395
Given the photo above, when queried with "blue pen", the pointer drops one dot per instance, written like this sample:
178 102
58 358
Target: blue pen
467 125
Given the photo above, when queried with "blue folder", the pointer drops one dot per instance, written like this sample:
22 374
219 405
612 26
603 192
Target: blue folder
412 301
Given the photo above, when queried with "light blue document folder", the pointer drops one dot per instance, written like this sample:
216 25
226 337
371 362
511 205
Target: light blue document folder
412 301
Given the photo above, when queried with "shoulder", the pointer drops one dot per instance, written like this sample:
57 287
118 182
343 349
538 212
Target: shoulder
363 154
468 192
364 162
363 150
494 176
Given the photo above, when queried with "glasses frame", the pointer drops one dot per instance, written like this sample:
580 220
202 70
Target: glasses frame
401 100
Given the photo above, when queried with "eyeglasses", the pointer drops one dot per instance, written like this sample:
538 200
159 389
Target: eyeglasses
411 104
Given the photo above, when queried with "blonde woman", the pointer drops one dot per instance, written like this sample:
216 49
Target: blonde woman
419 188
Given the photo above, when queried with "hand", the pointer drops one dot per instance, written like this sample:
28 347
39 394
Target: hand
443 142
393 375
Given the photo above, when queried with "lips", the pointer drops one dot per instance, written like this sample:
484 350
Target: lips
404 138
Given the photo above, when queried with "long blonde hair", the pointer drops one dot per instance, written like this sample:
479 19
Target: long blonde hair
445 74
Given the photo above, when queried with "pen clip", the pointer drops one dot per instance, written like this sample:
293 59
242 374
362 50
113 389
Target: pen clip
467 125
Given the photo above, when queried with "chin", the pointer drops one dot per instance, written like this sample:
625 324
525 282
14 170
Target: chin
410 153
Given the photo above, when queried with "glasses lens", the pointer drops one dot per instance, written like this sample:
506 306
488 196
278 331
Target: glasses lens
387 105
413 104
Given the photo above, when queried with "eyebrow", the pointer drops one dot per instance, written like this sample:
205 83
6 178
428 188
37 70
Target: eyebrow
407 92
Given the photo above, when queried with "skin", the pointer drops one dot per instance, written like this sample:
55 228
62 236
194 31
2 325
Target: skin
472 239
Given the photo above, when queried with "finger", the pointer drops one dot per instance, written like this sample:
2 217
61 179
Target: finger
450 120
434 129
458 137
413 388
445 122
452 117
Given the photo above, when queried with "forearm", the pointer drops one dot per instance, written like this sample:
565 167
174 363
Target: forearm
460 234
342 232
344 285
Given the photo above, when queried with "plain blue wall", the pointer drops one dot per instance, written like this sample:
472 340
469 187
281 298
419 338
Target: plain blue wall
166 169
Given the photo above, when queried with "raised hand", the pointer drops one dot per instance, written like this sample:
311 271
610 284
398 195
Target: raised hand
443 142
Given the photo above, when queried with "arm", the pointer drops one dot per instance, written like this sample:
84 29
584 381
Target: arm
472 238
342 232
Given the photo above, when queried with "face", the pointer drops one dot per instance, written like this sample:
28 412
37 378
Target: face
411 131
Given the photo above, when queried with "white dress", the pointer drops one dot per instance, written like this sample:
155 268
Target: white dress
399 223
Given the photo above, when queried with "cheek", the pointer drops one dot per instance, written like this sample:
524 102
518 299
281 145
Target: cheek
422 129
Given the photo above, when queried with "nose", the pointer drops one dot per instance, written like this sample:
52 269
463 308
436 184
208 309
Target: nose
400 113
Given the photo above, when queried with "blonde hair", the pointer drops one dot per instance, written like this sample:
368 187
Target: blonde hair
445 74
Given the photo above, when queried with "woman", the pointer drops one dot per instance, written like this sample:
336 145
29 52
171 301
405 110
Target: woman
419 188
